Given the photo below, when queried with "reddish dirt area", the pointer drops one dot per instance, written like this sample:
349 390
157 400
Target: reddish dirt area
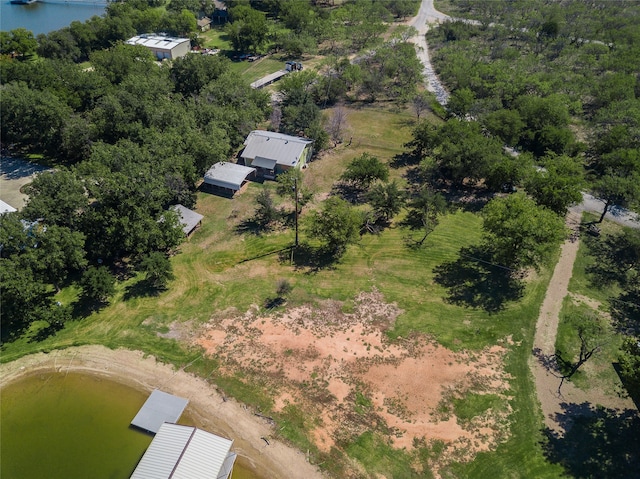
342 370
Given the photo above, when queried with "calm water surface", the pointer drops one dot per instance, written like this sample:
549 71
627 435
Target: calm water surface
44 17
73 426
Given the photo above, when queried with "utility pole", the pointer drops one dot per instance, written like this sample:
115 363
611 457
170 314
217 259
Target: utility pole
295 190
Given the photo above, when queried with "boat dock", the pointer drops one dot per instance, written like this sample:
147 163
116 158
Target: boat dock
159 408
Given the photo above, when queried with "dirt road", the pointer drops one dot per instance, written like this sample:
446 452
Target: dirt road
426 15
542 362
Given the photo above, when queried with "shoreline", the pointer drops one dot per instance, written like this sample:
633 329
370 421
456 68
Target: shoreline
223 416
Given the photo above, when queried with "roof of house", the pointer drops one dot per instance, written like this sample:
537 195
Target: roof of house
285 149
6 208
228 175
185 452
260 162
158 42
160 407
189 218
204 21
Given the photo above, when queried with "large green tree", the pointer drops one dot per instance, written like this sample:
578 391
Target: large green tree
57 198
617 179
365 169
337 224
248 29
520 233
559 184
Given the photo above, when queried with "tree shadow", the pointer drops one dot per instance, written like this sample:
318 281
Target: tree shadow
564 366
84 307
404 159
597 442
415 177
548 361
632 389
12 331
348 192
273 303
141 289
468 198
251 226
46 332
312 258
472 281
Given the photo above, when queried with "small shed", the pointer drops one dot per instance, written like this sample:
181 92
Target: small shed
227 178
272 153
162 46
186 452
159 408
204 24
189 219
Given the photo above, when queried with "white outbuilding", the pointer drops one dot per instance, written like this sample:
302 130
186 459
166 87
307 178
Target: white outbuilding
227 178
162 46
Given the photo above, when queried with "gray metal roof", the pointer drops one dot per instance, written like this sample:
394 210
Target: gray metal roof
185 452
260 162
189 218
160 407
270 78
285 149
228 175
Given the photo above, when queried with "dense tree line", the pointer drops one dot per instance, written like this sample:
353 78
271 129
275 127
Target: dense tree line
560 83
303 25
130 138
533 74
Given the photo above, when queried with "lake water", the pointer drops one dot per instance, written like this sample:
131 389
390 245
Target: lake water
73 426
44 17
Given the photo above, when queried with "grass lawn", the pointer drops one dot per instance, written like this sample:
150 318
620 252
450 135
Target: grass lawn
580 281
590 298
216 38
598 372
222 269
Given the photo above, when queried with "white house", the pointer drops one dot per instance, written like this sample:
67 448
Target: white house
163 47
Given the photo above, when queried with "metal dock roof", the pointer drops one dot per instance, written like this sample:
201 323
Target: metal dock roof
185 452
159 408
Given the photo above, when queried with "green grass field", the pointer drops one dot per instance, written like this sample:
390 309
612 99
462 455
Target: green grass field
222 269
590 299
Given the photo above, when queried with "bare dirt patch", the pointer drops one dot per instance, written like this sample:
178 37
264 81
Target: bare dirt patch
342 369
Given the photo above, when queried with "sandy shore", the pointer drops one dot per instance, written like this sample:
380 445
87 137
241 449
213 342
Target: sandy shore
227 417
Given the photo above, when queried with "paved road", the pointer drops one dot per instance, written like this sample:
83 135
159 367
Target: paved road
426 15
616 214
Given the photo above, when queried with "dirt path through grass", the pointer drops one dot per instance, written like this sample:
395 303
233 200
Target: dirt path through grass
542 362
